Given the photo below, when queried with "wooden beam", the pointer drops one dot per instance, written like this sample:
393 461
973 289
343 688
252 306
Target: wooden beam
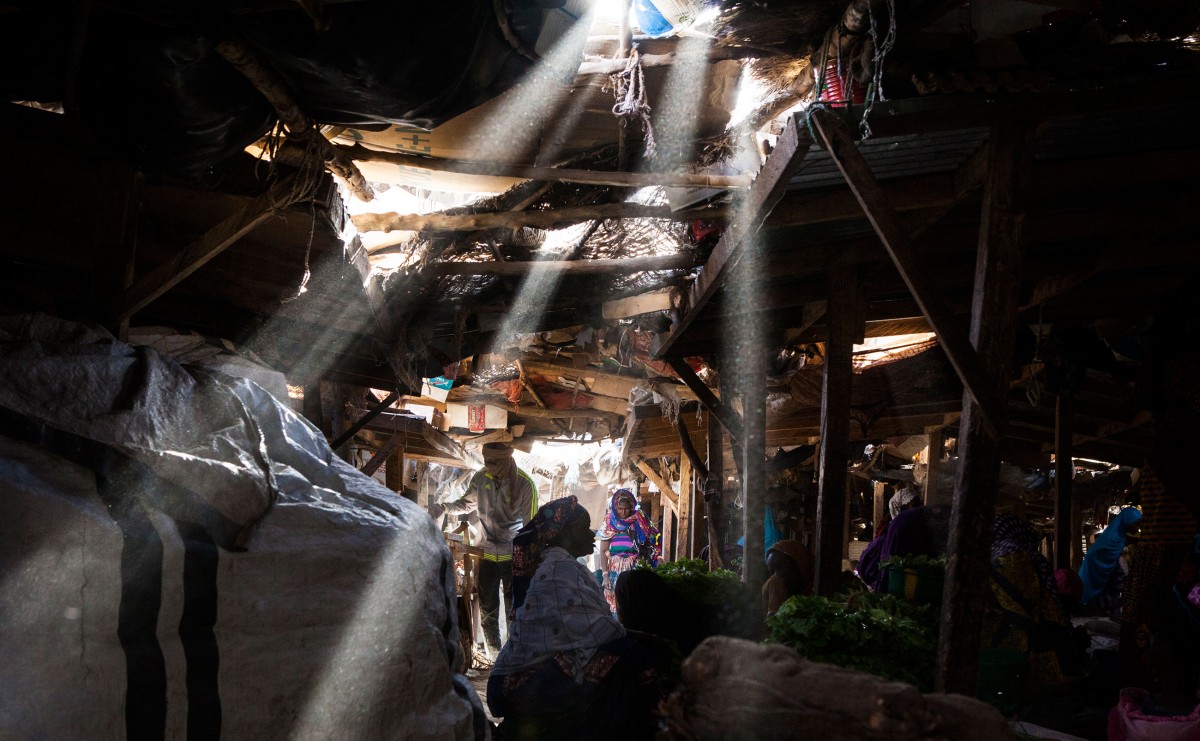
393 444
548 174
198 253
623 266
658 481
555 218
844 328
768 188
993 322
642 303
836 138
363 421
727 415
1064 474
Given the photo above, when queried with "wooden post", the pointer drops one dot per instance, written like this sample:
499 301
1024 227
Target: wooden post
933 469
993 319
879 505
668 530
394 471
1064 473
338 422
312 405
752 379
686 494
843 319
713 489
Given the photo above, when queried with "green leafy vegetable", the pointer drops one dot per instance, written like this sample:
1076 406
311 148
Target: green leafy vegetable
875 633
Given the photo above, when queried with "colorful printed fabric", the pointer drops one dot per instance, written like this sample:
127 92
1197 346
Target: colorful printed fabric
1025 613
1013 535
563 612
625 538
529 543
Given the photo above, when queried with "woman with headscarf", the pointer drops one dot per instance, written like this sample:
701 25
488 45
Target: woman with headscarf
626 538
568 669
1105 553
1025 612
791 568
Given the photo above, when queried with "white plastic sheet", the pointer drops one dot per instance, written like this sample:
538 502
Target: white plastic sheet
182 556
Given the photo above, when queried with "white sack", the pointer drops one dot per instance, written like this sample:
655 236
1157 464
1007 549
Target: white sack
181 555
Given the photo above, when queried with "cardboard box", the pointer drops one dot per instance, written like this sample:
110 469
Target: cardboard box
437 388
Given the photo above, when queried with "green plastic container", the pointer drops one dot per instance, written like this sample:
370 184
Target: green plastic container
1000 675
921 586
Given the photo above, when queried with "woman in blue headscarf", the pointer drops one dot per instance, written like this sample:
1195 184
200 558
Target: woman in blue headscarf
1103 555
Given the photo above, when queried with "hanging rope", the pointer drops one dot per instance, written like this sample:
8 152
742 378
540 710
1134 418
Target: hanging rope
882 48
632 106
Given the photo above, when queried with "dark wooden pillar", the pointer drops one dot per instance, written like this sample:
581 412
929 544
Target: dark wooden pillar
312 405
752 380
993 321
1064 473
714 488
844 328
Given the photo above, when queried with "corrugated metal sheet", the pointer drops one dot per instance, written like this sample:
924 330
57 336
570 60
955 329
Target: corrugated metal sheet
895 157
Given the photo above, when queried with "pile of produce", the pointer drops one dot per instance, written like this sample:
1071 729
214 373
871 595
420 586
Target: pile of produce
877 633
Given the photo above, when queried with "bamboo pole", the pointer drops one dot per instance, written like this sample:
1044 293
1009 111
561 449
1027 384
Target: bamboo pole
548 219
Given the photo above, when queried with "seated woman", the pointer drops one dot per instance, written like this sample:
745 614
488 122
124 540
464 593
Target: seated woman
647 604
568 669
1025 611
791 569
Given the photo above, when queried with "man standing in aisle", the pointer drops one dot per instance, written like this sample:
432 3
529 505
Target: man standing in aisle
505 498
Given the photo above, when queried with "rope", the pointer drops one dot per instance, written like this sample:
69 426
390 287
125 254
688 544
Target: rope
629 89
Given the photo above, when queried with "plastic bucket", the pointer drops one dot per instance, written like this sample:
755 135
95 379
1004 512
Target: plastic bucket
922 586
1000 674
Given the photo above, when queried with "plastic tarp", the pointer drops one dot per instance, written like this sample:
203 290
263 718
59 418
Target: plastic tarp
150 84
183 556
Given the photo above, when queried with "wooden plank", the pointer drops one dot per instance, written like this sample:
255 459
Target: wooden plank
622 266
993 321
1064 474
844 323
554 218
642 303
549 174
198 253
966 362
659 481
768 188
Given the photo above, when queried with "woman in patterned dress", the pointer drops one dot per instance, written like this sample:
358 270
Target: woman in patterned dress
626 537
